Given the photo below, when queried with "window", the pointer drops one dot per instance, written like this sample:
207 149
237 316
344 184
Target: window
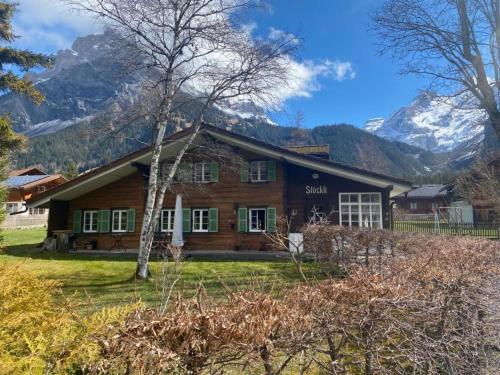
37 211
257 217
90 221
41 189
119 221
258 171
167 220
11 207
201 172
413 205
361 210
435 205
200 220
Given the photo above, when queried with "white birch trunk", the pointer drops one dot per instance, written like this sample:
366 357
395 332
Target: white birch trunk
146 238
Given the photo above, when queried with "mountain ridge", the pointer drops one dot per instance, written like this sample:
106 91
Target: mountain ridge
87 87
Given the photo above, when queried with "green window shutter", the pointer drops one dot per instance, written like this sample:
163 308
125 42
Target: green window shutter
186 220
213 220
77 221
271 170
131 220
271 219
214 171
244 172
185 172
242 220
104 221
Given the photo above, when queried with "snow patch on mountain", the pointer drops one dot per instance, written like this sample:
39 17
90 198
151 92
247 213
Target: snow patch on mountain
433 123
52 126
245 110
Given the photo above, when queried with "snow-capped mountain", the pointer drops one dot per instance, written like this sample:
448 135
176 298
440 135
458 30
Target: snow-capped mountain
434 123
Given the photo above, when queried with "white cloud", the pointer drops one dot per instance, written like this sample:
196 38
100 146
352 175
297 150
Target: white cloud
277 34
306 77
342 70
49 25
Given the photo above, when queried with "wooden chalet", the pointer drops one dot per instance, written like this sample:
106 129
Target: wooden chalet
424 199
233 188
24 184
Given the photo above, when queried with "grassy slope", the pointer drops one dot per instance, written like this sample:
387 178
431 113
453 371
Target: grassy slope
105 281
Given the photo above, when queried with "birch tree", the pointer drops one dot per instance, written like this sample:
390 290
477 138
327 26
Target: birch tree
454 42
193 45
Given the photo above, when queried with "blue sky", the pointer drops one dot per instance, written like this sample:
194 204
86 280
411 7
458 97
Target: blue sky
345 80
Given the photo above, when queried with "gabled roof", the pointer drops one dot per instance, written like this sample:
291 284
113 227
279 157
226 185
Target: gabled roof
124 166
428 191
20 181
27 182
30 171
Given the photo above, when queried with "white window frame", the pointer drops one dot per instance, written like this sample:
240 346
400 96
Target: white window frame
91 213
11 207
258 164
250 226
120 221
205 172
169 220
200 228
413 205
360 205
36 211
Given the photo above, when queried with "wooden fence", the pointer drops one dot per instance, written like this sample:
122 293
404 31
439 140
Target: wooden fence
477 229
24 221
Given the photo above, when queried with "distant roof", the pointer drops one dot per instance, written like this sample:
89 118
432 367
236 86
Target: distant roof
313 149
27 171
18 181
428 191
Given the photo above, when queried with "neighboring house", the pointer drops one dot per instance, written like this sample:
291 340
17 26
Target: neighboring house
24 184
485 204
227 202
424 199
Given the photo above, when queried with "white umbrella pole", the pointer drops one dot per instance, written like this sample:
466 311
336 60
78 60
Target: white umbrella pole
177 238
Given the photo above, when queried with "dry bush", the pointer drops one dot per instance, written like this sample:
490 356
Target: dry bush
419 304
337 248
42 332
249 330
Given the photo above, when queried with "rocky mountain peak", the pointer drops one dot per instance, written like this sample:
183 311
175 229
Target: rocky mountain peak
434 123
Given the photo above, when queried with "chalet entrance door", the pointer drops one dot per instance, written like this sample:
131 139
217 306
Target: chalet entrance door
316 211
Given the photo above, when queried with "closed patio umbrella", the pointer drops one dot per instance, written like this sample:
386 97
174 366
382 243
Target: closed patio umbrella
177 239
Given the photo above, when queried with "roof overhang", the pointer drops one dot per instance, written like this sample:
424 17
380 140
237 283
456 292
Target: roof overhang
91 181
318 165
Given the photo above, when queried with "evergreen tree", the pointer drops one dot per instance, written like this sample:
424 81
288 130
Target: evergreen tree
10 82
72 171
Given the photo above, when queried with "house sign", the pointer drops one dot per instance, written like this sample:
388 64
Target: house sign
313 190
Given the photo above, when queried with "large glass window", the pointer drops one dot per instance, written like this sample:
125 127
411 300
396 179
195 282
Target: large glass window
257 218
201 172
361 210
119 221
167 220
258 171
90 219
200 220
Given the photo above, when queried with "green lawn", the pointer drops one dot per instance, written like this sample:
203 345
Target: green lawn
99 281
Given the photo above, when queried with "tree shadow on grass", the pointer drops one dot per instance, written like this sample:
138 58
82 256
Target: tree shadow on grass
34 252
